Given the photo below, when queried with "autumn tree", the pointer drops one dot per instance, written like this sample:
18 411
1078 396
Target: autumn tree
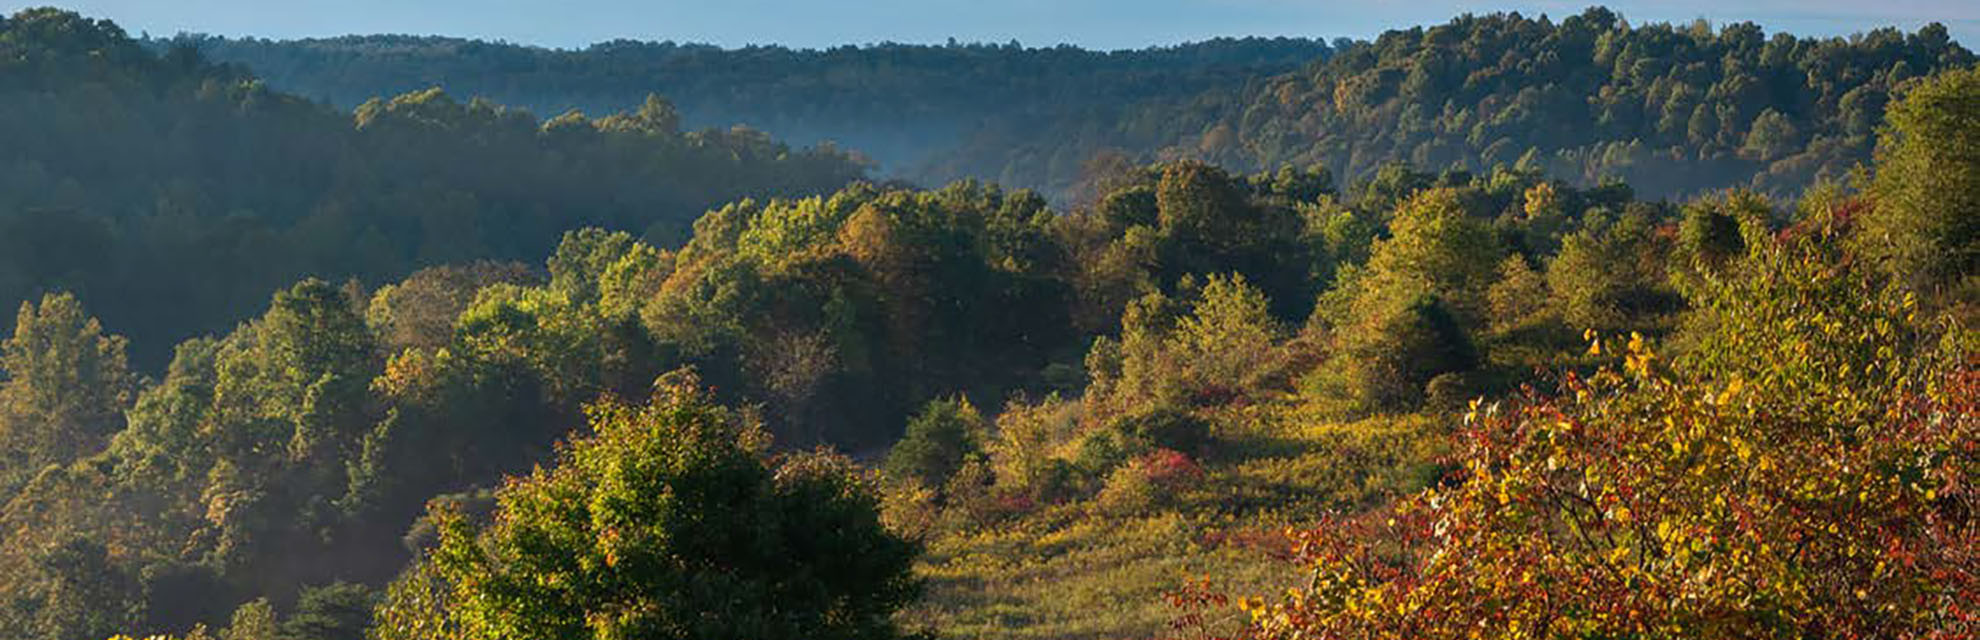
1804 472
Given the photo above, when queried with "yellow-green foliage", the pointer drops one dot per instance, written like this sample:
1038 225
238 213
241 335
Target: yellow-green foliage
1926 223
1088 568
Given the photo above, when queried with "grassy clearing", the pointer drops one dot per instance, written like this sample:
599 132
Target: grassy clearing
1078 570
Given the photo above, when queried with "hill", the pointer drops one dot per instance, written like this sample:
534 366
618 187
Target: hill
1198 402
903 105
1672 109
178 192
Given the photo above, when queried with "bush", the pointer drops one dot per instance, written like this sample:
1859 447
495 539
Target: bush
666 513
1101 451
939 439
1448 391
1023 456
1165 428
1150 482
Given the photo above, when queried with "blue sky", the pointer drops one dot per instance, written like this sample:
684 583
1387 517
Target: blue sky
1093 23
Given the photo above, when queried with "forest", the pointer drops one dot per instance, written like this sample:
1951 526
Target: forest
1673 110
177 193
1303 361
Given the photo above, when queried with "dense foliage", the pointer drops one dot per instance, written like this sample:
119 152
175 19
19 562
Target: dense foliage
1672 109
1803 467
175 193
1492 402
907 106
666 523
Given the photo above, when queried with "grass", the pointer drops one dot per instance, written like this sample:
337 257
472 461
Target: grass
1076 571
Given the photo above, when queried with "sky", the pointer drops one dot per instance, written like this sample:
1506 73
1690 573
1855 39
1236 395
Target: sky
1102 24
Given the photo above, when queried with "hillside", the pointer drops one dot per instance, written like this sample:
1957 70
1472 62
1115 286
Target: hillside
1669 109
178 192
589 379
1674 110
899 104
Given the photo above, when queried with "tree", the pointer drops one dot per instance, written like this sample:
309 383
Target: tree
420 311
1773 136
1519 299
338 611
939 440
1434 240
305 365
1925 225
668 522
1409 315
1399 343
1209 223
1226 342
65 389
1610 275
85 594
1713 234
1215 345
253 620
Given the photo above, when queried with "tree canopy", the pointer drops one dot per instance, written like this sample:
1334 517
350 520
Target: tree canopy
666 522
175 193
1464 395
1674 109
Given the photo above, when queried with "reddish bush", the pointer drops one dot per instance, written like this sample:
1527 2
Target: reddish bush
1170 469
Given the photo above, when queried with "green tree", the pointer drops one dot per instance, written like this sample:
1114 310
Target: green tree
1435 241
1210 222
253 620
1409 315
1226 342
667 522
338 611
1713 234
1772 136
1518 300
1925 224
85 594
1610 274
939 440
65 389
1399 343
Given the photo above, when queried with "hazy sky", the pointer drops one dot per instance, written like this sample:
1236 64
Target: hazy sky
1092 23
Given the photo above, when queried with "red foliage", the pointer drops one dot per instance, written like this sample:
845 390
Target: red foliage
1171 469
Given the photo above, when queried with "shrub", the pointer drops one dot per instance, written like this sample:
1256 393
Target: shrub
1100 452
1023 456
669 514
1806 471
939 439
1151 481
1165 428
